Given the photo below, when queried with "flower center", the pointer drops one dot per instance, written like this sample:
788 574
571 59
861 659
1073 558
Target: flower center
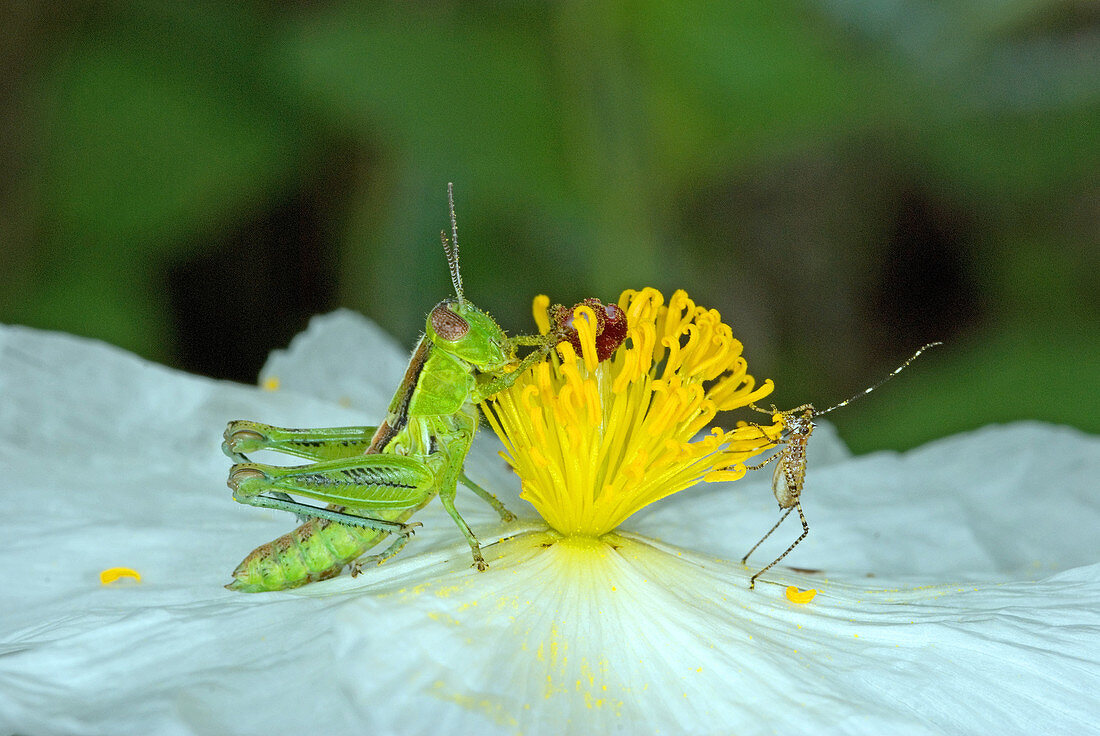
595 441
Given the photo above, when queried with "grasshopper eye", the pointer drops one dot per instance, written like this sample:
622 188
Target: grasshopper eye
447 324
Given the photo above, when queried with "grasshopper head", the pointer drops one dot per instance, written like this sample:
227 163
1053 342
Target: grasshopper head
464 331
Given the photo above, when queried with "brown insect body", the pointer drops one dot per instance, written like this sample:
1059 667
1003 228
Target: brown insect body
788 477
611 326
790 470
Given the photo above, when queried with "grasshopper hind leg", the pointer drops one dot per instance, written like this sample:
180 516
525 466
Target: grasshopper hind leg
325 443
397 545
282 502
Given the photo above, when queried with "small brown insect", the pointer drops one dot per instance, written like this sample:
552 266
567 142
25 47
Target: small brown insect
611 326
790 469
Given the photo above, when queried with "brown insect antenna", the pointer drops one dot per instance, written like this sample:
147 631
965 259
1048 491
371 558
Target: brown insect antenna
866 391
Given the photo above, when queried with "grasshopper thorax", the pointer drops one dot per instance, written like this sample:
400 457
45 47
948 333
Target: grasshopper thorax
464 331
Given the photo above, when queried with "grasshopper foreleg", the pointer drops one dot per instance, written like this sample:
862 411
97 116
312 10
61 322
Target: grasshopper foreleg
505 514
489 384
447 498
529 340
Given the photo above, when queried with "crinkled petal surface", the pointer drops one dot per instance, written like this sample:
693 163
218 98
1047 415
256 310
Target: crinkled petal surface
958 584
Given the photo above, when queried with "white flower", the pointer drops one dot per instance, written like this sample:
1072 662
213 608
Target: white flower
981 615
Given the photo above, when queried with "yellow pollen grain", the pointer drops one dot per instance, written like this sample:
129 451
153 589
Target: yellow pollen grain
111 574
271 383
794 595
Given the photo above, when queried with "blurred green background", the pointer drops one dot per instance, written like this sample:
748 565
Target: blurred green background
843 179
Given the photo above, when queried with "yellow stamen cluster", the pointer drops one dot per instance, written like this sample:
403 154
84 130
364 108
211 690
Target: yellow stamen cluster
595 442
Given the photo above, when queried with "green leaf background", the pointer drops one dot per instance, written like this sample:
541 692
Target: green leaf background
843 179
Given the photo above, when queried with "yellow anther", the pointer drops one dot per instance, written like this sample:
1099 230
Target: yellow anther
724 476
528 398
584 320
628 372
540 308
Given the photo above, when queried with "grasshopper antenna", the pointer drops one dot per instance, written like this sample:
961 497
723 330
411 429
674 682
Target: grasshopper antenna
451 248
866 391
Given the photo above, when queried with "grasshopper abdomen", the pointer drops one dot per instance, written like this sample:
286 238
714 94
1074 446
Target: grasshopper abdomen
317 550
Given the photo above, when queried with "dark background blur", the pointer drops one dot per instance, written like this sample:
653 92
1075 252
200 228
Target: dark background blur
843 179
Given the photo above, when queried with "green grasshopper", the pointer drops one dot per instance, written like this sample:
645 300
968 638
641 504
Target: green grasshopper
375 478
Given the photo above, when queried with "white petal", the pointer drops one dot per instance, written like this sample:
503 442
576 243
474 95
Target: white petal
643 640
108 461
